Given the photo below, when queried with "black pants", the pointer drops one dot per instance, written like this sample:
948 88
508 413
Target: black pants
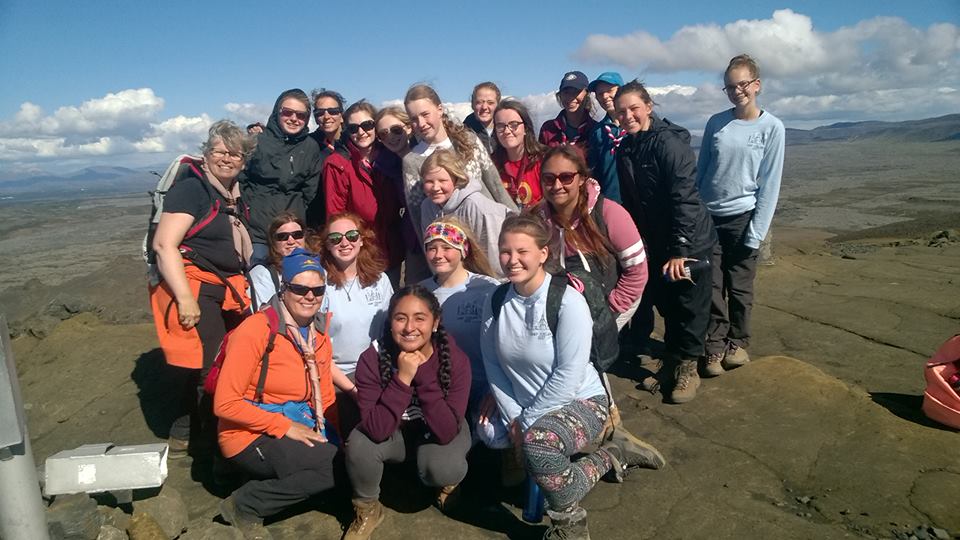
195 421
284 473
734 269
684 306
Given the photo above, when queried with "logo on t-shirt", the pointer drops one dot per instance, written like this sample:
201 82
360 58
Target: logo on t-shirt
373 295
755 140
541 329
469 313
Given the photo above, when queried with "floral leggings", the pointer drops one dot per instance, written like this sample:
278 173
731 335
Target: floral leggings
554 438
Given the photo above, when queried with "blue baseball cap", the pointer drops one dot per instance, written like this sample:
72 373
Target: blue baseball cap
609 77
299 261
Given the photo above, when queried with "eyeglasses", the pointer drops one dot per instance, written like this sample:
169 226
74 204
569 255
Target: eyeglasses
302 290
282 236
566 178
301 115
366 125
396 129
742 85
332 111
335 238
512 126
221 154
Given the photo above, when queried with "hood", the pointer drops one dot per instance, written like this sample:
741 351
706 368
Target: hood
273 124
460 194
593 193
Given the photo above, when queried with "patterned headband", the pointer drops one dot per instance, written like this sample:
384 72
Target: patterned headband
449 233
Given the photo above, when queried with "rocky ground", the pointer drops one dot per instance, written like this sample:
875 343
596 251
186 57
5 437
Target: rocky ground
820 437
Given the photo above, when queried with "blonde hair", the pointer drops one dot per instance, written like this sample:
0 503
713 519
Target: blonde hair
397 112
448 161
476 258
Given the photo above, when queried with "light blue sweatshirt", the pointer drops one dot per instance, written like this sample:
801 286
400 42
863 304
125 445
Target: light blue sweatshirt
739 169
531 372
462 311
357 316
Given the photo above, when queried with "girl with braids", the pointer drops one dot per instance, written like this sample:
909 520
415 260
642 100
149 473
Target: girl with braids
546 389
413 388
435 130
597 235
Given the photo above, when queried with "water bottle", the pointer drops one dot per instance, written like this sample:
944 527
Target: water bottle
689 265
533 507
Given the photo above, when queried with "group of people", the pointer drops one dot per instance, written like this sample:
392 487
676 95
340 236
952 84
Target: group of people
398 285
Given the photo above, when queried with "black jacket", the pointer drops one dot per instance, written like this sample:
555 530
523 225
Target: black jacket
283 174
489 141
658 183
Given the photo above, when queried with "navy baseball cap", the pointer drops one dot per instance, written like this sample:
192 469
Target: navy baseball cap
299 261
609 77
574 79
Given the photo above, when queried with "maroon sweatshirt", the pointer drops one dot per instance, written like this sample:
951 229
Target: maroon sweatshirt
382 409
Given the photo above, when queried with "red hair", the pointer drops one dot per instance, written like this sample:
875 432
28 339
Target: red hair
370 261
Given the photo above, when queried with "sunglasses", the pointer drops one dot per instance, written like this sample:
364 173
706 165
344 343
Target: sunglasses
566 178
332 111
366 125
512 126
396 129
282 236
302 290
301 115
335 238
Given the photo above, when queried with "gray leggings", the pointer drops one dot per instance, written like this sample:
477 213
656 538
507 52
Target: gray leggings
437 464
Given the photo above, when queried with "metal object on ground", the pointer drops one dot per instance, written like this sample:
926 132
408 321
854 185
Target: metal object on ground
94 468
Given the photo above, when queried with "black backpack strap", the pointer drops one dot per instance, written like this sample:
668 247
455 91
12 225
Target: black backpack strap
274 322
496 302
254 304
274 276
558 285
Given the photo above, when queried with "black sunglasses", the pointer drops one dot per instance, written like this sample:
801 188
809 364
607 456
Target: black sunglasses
282 236
396 129
335 238
301 115
302 290
366 125
566 178
332 111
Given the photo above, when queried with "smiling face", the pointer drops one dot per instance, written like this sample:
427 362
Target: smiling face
438 186
741 86
223 163
503 119
520 257
484 105
552 173
412 324
394 134
571 99
285 247
293 116
345 252
330 124
633 112
605 92
427 119
303 308
361 137
443 258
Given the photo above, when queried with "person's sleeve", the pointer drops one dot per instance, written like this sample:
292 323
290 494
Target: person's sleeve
768 187
706 152
572 341
443 414
500 384
490 177
544 136
678 166
381 409
413 191
624 168
186 197
625 239
380 317
261 284
240 367
336 182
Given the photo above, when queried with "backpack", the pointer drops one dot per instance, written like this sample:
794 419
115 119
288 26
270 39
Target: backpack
210 382
605 345
941 401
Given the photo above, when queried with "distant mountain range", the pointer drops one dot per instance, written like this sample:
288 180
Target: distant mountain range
109 180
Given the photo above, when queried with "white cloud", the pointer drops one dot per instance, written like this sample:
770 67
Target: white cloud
248 113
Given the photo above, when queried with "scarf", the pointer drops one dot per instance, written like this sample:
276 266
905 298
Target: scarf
308 352
242 244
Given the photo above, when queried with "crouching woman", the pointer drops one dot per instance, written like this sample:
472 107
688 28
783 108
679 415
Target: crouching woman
278 435
413 386
546 389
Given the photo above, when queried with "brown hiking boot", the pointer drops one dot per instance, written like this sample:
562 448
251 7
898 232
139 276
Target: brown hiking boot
630 452
368 515
177 448
447 497
569 525
686 382
249 525
712 365
735 357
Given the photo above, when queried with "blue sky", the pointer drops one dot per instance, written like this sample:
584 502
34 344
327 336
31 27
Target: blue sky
196 57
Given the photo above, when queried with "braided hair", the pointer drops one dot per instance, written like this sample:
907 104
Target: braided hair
389 349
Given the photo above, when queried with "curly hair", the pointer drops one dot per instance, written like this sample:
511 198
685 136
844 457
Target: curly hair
389 349
370 261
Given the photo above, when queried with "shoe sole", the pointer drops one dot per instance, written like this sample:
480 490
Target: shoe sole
733 365
379 522
657 462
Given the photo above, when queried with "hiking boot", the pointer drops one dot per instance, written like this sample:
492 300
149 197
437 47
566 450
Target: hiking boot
512 472
712 365
686 382
368 515
629 452
735 357
177 448
447 497
569 525
249 525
